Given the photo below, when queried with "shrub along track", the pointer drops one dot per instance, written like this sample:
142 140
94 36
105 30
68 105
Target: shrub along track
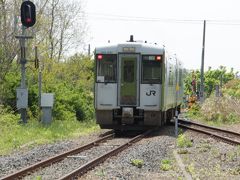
221 134
74 161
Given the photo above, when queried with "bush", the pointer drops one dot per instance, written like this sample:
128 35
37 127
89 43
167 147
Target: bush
232 88
223 109
8 87
194 111
70 81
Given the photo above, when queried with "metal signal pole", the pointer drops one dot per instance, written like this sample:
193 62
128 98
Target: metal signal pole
202 65
28 19
23 61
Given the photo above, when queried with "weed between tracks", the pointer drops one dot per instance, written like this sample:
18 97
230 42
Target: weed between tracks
166 165
137 162
183 141
38 178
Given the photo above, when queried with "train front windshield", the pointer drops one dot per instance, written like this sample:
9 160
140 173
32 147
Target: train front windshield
106 67
151 69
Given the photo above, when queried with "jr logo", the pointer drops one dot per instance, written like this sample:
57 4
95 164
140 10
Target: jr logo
151 92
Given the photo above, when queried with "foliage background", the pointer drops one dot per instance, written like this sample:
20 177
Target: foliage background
212 78
70 81
217 108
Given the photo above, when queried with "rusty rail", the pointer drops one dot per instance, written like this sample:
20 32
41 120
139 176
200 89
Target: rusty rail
209 127
182 123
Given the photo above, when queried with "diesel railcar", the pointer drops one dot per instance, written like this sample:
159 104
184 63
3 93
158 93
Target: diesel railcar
137 85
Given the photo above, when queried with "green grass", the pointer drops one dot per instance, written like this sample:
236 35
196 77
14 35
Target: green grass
15 136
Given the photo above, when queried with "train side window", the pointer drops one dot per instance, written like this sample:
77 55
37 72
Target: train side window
151 71
107 67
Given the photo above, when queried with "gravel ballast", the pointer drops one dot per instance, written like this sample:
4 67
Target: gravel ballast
71 163
25 157
151 151
208 158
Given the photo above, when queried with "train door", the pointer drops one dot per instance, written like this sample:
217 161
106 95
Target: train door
128 82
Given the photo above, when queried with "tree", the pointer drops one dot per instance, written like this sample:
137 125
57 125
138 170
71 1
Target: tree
211 79
8 43
60 27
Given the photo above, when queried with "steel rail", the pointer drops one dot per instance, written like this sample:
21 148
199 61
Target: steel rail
54 159
211 134
209 127
83 169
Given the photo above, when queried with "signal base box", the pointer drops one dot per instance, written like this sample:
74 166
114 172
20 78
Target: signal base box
46 116
47 100
22 98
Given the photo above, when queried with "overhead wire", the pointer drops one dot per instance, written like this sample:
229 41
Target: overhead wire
114 17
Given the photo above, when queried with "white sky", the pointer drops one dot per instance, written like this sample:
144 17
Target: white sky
107 21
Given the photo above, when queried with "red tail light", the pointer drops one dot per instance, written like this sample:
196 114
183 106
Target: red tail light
99 57
158 58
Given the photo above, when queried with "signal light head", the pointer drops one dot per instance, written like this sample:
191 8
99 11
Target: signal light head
28 14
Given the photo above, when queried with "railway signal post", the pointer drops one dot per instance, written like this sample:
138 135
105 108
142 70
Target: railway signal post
28 19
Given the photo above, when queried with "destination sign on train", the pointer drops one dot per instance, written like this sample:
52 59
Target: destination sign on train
129 49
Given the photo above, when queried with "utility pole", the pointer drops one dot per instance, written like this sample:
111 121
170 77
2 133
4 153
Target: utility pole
89 50
202 65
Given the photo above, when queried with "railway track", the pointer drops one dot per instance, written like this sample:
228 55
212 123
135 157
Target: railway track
221 134
23 172
83 162
84 168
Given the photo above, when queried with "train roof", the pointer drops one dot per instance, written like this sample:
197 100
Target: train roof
130 47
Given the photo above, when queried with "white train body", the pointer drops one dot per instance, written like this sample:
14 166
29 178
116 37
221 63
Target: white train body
137 85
